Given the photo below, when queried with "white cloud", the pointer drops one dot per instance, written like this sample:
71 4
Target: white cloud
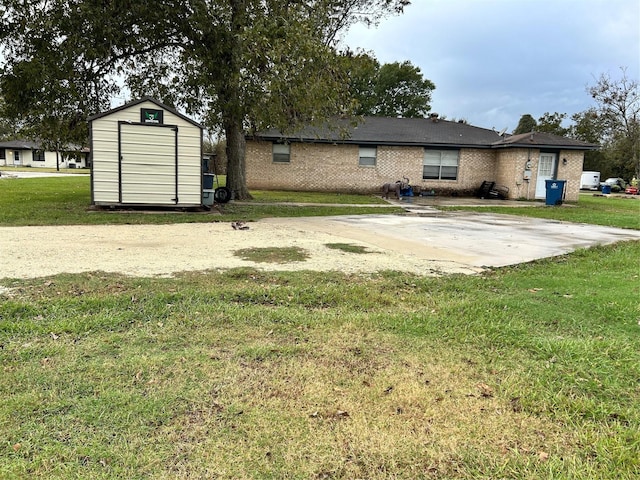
494 60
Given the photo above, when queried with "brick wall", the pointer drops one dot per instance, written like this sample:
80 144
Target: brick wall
317 167
333 167
511 168
571 172
512 165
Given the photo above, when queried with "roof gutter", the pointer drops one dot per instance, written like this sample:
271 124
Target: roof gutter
364 142
589 146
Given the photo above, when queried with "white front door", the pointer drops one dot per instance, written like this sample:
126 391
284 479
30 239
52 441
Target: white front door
16 158
546 170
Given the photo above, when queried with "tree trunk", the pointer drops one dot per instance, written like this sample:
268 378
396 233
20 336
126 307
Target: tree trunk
236 165
232 105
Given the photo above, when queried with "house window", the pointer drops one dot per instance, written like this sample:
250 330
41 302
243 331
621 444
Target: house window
3 154
38 155
546 165
367 156
281 153
440 165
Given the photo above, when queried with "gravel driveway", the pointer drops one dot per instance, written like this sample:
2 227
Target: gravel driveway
431 244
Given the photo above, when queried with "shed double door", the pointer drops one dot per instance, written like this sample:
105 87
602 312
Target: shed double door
148 167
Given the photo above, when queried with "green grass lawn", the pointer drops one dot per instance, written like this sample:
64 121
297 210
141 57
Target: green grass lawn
614 211
72 171
67 201
528 371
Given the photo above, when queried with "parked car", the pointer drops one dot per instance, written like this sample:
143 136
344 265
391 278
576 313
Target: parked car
631 190
614 182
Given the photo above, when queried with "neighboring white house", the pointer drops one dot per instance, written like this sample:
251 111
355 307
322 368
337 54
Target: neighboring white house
27 153
145 153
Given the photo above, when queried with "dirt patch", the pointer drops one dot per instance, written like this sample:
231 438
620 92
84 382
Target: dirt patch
162 250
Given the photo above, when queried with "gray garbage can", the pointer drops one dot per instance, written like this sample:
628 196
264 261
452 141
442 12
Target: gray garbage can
555 192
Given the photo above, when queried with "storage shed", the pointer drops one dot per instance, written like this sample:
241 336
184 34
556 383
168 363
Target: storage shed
145 154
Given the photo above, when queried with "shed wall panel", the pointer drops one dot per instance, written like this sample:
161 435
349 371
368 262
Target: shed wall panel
105 159
148 164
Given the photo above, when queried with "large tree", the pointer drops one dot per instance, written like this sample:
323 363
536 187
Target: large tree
8 126
549 123
361 74
552 123
526 124
235 64
588 127
618 112
395 89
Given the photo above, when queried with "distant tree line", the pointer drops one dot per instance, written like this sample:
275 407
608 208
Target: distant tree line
613 123
236 65
240 66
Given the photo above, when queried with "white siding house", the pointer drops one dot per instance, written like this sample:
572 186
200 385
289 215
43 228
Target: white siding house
27 153
145 153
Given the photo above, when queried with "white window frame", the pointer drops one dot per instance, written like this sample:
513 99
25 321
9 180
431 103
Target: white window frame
445 162
367 156
281 153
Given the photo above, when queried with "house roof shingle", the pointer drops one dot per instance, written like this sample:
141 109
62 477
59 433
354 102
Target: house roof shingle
20 145
544 140
391 131
36 145
419 132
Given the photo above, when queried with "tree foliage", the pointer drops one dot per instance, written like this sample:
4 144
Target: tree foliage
8 126
613 122
395 89
237 65
548 123
588 127
526 124
618 113
552 123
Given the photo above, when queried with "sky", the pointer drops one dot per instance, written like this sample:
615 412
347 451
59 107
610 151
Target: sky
494 60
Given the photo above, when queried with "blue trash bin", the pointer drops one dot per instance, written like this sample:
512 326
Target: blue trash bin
555 191
606 189
207 181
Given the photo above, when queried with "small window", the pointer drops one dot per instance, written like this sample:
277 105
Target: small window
367 156
3 154
38 155
281 153
440 165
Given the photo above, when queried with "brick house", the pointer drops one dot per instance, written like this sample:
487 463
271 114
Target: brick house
435 154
